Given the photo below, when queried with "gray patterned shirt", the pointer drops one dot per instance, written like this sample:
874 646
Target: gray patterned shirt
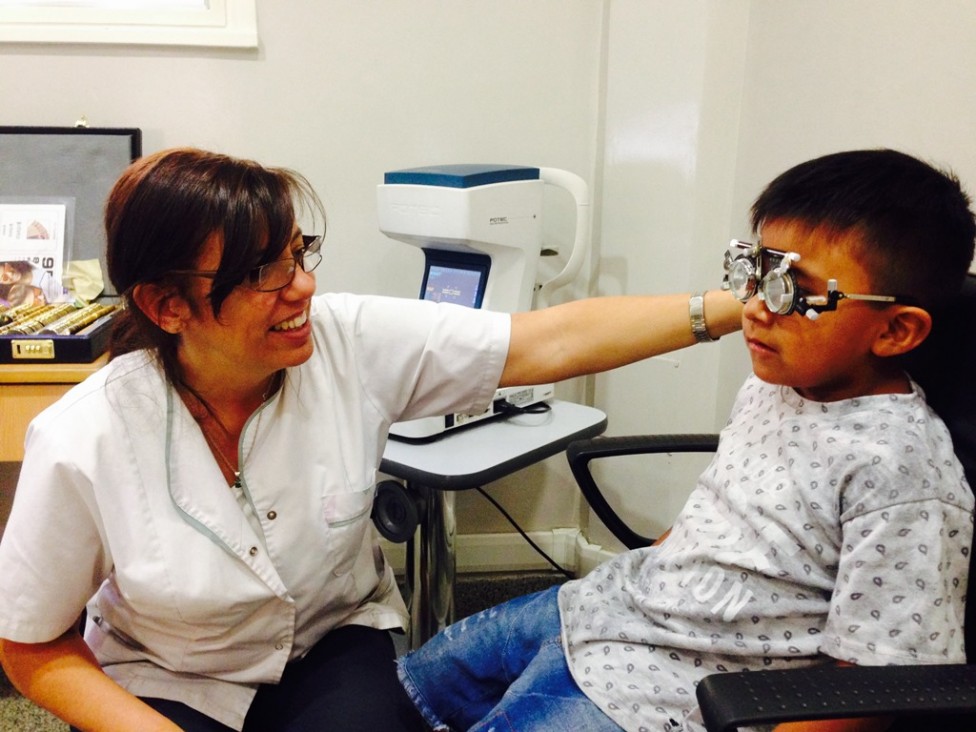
835 529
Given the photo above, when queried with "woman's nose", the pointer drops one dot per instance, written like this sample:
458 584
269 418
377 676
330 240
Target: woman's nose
302 284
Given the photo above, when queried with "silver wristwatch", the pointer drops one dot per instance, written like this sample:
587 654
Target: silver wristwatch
696 313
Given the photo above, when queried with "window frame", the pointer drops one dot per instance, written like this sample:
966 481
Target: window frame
222 23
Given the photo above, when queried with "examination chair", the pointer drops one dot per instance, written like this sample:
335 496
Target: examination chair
921 698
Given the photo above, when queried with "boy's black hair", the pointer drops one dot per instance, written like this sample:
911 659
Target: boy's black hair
916 230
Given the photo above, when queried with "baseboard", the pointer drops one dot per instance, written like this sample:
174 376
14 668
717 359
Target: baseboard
512 553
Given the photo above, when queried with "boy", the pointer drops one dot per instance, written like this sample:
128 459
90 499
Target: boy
834 523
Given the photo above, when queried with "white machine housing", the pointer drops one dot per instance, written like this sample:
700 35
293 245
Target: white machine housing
488 213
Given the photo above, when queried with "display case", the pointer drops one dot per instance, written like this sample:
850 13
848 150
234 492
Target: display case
53 185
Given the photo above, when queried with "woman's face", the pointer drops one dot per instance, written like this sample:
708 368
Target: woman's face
256 333
8 274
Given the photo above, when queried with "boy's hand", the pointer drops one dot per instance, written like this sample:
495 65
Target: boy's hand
869 724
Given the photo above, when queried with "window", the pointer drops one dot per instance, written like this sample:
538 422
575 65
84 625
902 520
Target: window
156 22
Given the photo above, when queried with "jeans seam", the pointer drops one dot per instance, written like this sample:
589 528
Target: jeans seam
508 637
419 701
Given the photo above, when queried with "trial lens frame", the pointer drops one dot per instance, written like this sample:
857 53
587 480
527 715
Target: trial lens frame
752 269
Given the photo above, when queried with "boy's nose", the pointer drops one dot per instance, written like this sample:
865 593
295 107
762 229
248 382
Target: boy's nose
755 309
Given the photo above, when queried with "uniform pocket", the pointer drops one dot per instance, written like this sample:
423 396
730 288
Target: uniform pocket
341 509
347 515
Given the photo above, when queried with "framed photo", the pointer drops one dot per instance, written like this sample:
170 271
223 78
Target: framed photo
32 253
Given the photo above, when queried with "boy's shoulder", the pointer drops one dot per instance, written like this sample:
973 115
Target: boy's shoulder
874 452
866 428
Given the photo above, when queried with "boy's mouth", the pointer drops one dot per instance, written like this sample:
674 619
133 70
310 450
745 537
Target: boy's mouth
757 345
297 322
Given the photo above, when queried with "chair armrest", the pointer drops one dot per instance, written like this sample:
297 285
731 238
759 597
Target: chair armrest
581 452
731 700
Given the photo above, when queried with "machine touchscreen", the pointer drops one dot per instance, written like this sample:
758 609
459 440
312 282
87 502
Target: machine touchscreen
455 277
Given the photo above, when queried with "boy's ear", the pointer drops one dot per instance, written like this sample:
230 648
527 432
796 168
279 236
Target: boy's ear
907 327
163 305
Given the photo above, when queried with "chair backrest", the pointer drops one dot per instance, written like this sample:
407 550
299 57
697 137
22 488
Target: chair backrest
945 367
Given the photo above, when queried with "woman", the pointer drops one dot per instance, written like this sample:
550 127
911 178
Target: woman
208 492
16 271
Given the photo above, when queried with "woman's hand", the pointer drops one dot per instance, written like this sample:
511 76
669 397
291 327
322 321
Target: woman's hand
64 677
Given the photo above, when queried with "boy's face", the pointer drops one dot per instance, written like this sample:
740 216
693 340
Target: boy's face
830 358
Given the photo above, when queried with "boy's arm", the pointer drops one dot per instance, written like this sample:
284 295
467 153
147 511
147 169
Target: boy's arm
64 677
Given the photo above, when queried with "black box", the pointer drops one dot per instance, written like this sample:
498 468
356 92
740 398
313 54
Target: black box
82 347
76 166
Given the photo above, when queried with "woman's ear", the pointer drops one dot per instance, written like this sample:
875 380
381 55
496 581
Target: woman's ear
907 327
163 305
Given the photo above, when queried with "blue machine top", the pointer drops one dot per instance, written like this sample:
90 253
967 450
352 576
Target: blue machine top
460 175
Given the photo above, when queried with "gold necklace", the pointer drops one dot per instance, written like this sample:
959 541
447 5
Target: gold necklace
218 450
204 414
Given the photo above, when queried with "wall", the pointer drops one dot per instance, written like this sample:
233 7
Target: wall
677 112
343 90
709 101
836 75
673 95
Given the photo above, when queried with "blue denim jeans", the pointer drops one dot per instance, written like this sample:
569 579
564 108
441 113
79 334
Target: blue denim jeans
502 669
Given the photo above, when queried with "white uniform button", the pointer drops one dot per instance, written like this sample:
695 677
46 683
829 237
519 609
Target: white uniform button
272 515
279 645
252 551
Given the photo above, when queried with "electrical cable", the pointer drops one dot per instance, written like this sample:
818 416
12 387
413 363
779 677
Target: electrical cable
506 407
565 572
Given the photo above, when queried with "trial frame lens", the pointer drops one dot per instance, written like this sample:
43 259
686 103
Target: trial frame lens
742 269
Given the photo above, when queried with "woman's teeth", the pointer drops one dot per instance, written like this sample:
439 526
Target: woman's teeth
296 322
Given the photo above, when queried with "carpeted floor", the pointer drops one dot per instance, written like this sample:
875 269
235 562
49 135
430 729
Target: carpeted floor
19 715
474 592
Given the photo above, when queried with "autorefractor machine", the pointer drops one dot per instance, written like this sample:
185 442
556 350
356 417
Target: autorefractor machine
480 228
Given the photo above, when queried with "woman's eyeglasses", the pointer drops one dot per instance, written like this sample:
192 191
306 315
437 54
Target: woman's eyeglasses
275 275
751 269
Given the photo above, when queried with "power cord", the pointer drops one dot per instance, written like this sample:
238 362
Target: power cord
565 572
506 407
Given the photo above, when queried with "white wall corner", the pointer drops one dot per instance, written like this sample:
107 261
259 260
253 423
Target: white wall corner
510 552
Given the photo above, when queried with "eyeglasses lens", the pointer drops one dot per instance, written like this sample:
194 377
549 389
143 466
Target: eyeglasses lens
311 255
778 292
742 278
279 274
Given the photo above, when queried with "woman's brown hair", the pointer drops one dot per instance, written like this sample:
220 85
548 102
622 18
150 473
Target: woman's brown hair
165 207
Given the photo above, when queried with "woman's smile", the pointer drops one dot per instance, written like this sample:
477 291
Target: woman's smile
291 324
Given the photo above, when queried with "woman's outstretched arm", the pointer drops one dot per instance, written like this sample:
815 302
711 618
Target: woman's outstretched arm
597 334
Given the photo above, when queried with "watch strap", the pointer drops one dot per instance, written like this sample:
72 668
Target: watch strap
696 314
